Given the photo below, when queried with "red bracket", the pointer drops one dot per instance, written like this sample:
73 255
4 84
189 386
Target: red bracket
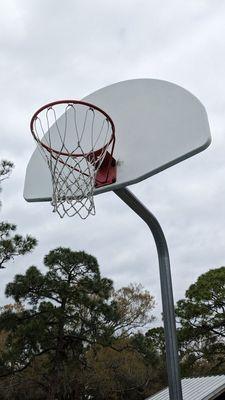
106 174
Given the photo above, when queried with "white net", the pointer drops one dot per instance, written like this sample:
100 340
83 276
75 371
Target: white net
74 138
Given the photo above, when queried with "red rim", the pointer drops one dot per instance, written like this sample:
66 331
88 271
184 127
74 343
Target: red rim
50 149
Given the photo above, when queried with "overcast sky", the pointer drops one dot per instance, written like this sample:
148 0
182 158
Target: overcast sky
52 50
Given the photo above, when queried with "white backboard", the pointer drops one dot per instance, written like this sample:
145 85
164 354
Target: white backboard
157 124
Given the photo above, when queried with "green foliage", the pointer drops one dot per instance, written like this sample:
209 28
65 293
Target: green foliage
69 310
11 244
151 346
155 339
202 318
65 314
71 298
119 373
5 169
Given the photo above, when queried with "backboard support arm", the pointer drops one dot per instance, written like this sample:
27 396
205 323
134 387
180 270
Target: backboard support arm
172 361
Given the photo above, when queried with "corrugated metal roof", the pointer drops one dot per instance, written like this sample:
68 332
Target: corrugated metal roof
204 388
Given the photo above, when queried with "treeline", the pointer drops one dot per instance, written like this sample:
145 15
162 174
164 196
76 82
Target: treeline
68 334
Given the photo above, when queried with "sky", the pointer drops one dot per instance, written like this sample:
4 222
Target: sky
52 50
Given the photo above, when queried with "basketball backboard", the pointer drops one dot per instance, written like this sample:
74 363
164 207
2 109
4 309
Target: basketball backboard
157 125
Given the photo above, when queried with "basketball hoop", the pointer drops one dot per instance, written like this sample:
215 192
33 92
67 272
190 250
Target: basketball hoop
77 140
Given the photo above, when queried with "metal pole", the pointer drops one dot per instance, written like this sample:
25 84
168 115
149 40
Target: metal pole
172 361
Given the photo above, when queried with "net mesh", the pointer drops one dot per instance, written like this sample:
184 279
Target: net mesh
74 139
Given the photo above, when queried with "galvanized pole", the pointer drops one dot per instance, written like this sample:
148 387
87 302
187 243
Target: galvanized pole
172 361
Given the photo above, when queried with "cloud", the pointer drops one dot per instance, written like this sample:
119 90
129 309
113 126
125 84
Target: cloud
52 50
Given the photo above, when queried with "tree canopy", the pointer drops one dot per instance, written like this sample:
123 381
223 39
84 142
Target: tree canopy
202 318
64 313
11 243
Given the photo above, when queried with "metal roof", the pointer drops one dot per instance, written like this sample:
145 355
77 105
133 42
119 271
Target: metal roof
204 388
